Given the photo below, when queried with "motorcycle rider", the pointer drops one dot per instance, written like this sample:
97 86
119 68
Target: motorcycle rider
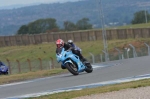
77 49
74 45
61 44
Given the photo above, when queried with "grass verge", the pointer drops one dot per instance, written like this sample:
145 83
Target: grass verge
5 79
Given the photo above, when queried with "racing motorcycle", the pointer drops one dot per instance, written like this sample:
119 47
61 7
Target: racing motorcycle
3 69
72 62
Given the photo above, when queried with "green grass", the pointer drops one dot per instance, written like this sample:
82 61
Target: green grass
45 51
22 53
5 79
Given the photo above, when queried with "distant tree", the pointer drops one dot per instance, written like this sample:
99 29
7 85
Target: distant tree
69 26
23 30
139 17
83 24
38 26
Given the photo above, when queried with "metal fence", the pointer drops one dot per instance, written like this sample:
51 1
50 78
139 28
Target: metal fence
129 52
27 66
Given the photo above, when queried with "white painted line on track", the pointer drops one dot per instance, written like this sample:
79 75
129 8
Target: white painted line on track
80 87
11 84
24 82
41 94
96 66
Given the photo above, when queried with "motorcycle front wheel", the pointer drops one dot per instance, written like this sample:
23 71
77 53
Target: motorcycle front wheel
89 68
72 68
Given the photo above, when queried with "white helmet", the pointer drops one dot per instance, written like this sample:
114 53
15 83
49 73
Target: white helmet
70 41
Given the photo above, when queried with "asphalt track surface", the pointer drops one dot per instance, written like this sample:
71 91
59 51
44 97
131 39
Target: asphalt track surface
103 72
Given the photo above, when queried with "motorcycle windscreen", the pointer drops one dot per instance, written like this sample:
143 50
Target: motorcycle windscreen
59 50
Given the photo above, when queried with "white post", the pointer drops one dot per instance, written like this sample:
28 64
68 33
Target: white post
92 57
50 65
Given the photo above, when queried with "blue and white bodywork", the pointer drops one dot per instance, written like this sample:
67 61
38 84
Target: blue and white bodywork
72 62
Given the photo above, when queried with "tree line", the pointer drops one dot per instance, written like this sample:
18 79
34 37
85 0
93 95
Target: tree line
50 25
141 17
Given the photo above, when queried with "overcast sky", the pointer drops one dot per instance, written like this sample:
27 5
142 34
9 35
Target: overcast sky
14 2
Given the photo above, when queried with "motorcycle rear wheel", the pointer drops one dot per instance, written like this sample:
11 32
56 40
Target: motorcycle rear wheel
71 68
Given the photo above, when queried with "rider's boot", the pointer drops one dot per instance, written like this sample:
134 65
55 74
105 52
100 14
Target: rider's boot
83 59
